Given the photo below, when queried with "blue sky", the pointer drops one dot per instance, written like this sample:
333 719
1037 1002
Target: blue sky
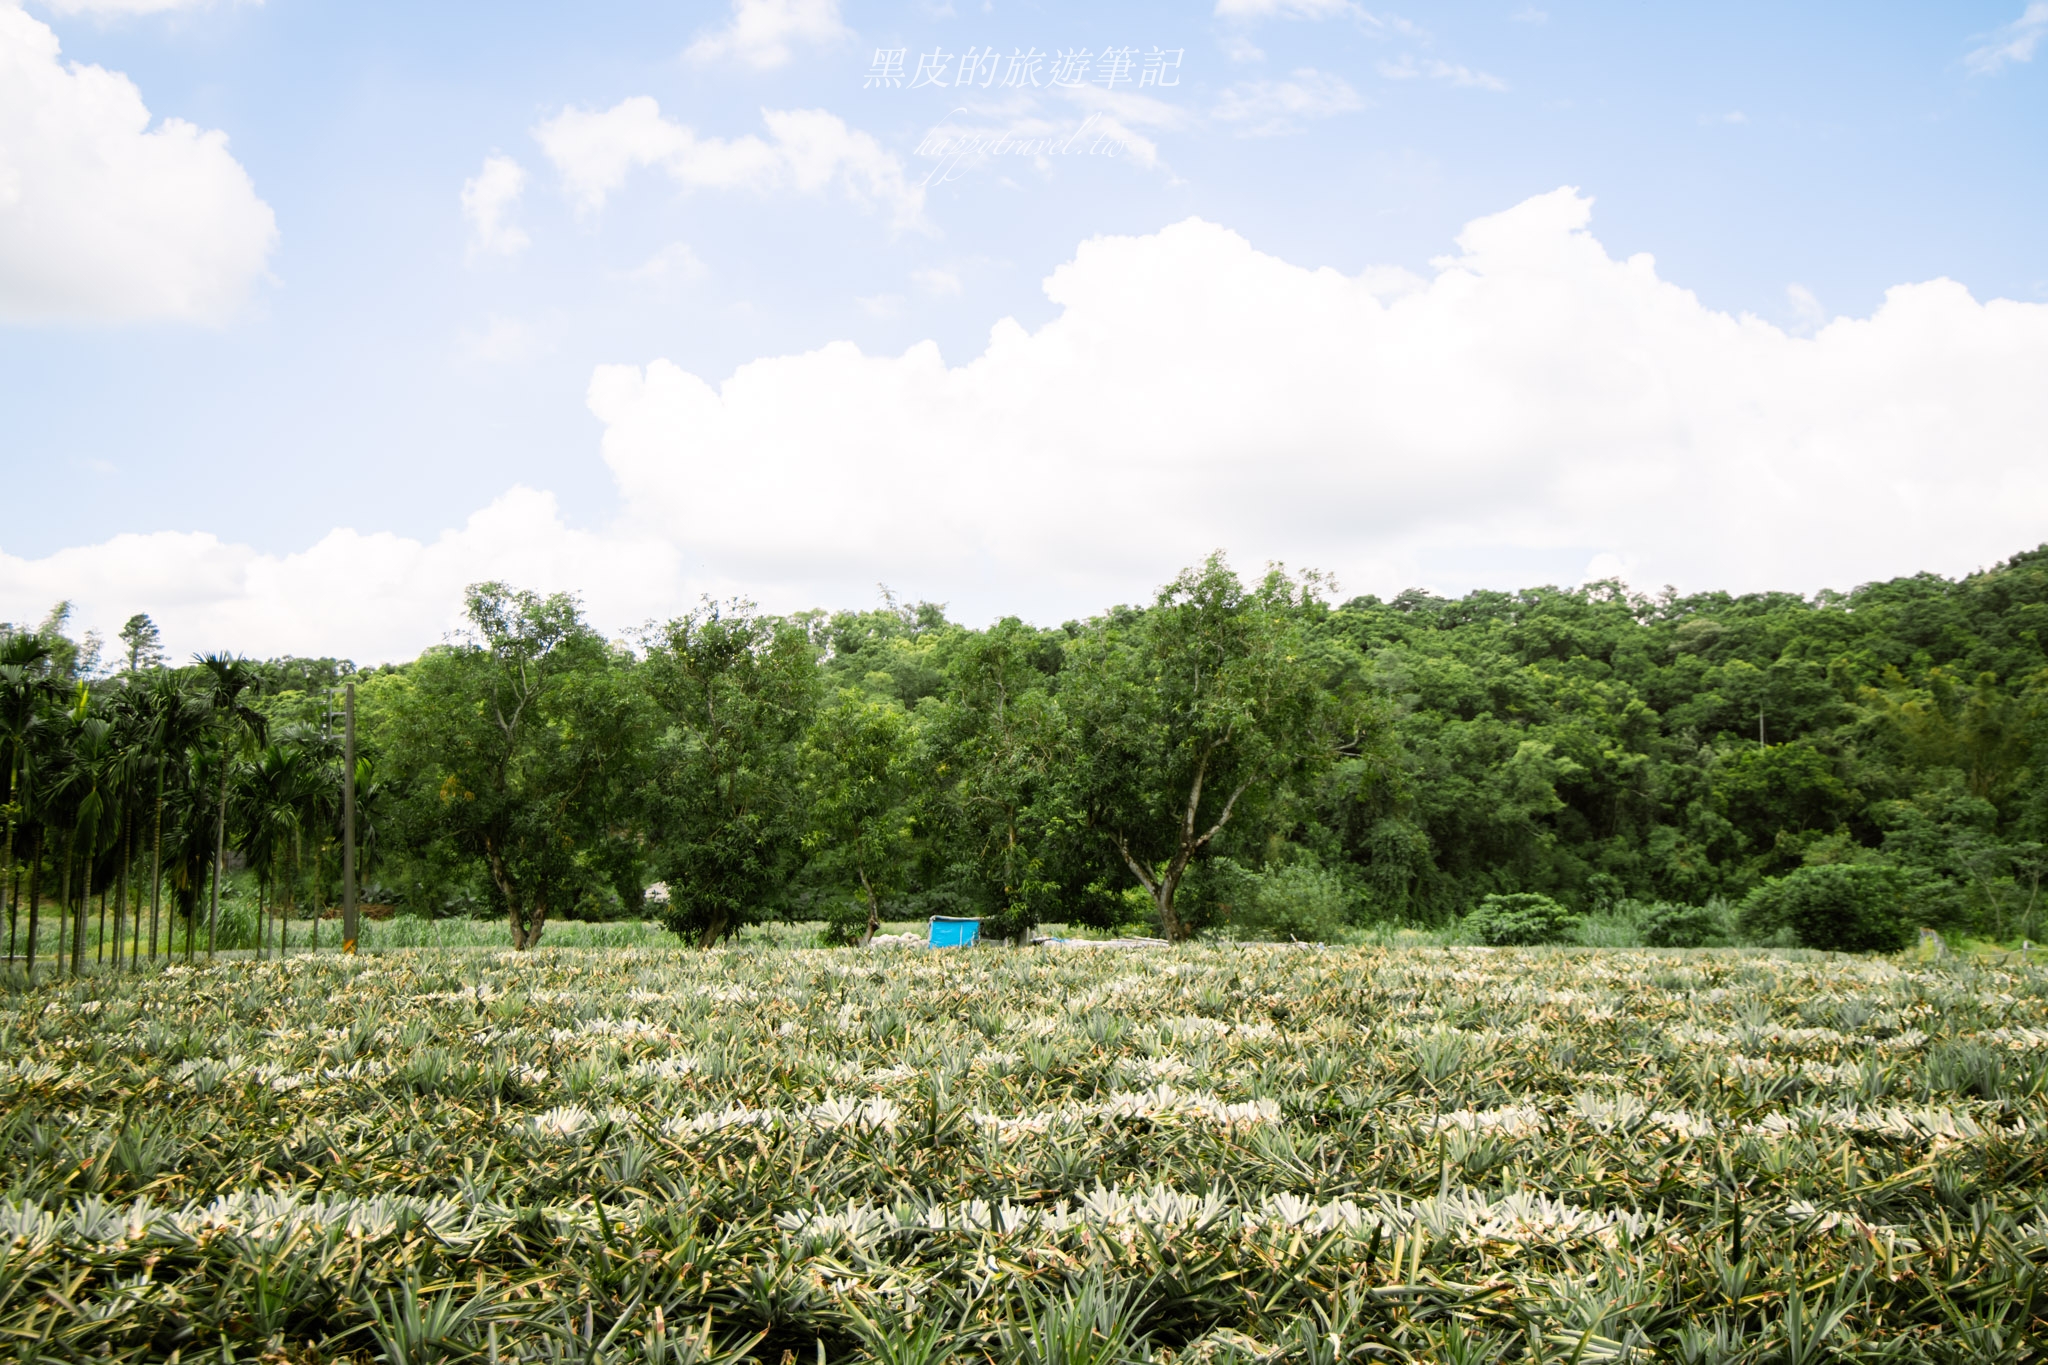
713 187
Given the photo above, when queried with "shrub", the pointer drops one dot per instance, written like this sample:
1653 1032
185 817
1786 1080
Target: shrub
1298 901
846 922
1840 907
1521 919
1687 926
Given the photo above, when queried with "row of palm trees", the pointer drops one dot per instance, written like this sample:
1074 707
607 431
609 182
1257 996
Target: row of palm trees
134 789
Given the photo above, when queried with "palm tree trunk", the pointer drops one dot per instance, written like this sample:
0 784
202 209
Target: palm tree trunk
72 915
220 845
64 909
78 923
99 947
35 897
121 896
13 872
156 860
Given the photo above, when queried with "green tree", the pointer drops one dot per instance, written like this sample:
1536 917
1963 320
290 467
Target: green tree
734 692
89 787
143 643
858 777
237 726
996 741
1213 699
267 802
27 696
1840 907
1769 793
517 742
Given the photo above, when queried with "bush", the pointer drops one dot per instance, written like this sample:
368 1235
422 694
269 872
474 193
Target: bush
1521 919
1840 907
846 922
1687 926
1298 901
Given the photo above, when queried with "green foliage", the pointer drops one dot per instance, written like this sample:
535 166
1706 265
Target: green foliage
1204 709
1299 901
857 761
508 745
1602 748
1839 907
1521 919
995 742
1665 925
733 691
1765 792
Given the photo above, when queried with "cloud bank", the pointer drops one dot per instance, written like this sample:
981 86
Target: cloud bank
807 150
1533 400
760 32
370 596
104 218
2015 42
488 200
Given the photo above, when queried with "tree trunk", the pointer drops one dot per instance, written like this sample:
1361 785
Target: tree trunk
291 902
64 910
526 927
156 860
714 930
78 920
35 897
1163 884
874 909
220 845
350 925
13 882
121 881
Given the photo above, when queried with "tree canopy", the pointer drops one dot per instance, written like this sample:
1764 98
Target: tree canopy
1236 756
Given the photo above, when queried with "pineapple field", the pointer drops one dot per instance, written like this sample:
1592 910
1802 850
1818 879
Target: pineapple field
1202 1153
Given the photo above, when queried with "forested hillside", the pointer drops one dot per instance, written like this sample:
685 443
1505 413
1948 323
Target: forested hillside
1236 757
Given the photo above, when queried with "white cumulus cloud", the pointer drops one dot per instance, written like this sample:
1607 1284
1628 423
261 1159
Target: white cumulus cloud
104 218
1408 69
488 199
369 596
2013 43
673 264
760 31
1290 9
1531 401
1534 395
104 8
809 151
1266 107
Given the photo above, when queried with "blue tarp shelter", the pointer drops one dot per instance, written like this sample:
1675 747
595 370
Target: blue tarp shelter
949 931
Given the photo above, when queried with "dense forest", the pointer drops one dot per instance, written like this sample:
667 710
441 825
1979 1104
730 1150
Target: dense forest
1236 757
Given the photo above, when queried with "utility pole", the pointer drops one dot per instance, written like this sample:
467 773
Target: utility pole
348 821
